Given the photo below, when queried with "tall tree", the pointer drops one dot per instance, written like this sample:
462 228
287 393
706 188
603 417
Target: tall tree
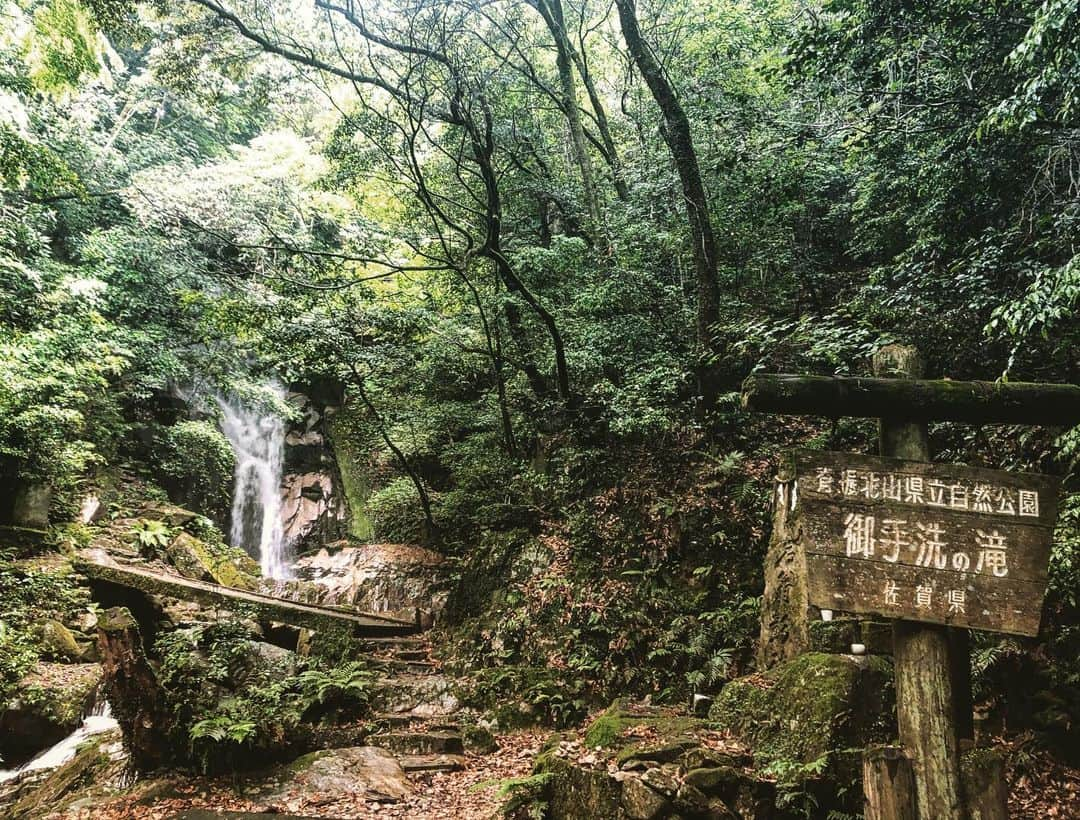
680 141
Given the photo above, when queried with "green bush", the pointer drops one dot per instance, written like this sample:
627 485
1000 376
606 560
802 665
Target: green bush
395 512
232 709
196 464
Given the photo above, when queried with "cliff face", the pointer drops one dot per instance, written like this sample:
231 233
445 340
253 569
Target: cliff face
313 508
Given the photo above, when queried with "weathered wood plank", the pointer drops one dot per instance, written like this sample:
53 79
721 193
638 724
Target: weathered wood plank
856 585
915 399
268 607
888 784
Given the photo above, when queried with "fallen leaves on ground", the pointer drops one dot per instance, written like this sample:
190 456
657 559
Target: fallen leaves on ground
466 795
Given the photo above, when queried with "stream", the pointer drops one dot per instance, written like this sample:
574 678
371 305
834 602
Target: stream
99 720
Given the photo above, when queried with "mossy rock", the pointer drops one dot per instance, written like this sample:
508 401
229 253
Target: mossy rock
574 792
57 641
96 771
806 719
51 703
170 514
196 559
672 734
834 637
810 706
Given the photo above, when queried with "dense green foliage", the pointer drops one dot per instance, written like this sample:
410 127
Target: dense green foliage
399 202
233 705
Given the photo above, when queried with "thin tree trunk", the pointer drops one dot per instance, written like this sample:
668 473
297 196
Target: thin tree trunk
552 12
421 490
680 142
611 153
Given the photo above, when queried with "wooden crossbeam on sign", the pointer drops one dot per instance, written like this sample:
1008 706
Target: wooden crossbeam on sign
975 402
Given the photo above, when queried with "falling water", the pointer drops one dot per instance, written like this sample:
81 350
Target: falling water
99 720
257 436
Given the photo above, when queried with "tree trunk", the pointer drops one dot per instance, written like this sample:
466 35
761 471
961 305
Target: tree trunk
677 135
137 699
888 784
552 12
414 476
925 705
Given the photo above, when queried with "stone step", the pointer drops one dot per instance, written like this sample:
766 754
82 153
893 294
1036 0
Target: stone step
409 667
411 655
419 743
402 641
432 763
407 721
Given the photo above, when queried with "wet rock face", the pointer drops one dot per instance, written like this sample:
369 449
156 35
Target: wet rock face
376 577
313 507
51 703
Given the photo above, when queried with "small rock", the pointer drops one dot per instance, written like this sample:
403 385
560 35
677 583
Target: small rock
711 781
642 803
662 781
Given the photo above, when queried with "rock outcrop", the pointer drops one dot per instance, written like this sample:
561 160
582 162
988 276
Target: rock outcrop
376 577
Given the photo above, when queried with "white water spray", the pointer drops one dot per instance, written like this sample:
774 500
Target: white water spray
258 440
98 721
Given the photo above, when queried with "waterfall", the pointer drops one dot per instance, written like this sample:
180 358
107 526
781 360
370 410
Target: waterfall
99 720
257 436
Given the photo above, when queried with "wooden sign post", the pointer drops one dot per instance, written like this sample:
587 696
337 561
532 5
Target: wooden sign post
936 548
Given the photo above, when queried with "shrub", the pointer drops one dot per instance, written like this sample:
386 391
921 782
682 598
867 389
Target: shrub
395 512
196 463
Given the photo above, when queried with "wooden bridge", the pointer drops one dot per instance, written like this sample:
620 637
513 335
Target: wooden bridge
101 568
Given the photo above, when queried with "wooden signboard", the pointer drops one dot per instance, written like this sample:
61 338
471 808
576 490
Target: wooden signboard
939 543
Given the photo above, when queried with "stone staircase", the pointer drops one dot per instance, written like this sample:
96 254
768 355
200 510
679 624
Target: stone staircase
416 707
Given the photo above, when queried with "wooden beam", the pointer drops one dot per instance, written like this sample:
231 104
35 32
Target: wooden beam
888 784
913 399
266 607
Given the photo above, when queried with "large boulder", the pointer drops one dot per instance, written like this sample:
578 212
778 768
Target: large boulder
807 719
376 577
811 706
326 777
196 559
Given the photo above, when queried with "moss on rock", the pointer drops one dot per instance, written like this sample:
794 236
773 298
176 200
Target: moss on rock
575 792
810 706
57 641
197 560
50 704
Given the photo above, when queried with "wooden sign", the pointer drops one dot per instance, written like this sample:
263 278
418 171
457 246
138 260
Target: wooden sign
940 543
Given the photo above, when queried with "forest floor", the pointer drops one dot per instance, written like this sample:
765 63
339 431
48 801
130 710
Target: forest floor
470 794
1044 788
